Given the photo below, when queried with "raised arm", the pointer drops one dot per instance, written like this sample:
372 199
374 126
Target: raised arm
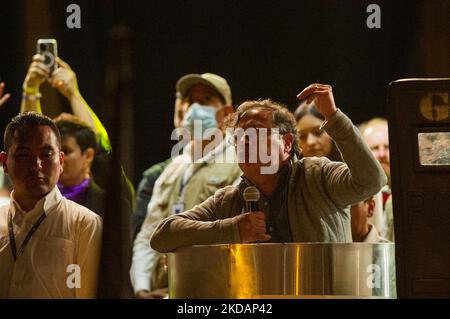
65 81
3 98
363 176
37 73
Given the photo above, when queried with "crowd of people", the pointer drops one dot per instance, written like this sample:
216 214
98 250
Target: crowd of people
329 181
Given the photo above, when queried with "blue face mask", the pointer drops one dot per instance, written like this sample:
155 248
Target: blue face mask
204 117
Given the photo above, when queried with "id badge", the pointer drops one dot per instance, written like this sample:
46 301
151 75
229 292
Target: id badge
177 208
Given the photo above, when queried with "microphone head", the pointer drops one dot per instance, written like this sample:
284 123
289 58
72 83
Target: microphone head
251 194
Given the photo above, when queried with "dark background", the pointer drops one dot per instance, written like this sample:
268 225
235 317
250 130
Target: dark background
263 48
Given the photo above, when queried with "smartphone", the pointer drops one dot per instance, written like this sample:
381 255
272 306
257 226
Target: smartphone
49 49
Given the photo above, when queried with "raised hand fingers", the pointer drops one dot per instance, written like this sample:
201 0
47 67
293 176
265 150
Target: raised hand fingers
313 88
37 66
37 73
57 78
62 64
4 98
38 58
65 81
316 94
323 95
306 91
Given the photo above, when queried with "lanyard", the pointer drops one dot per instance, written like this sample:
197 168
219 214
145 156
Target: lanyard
188 172
12 240
183 182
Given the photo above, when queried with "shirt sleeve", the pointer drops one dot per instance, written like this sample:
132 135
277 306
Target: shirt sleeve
144 257
88 256
362 176
205 224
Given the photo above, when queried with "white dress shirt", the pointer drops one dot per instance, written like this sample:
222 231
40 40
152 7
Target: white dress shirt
66 244
373 236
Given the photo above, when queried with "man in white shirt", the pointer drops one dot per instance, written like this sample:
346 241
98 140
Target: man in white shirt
49 246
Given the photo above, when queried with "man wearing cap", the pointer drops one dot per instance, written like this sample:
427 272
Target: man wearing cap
190 178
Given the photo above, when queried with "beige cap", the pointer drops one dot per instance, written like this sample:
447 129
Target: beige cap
212 80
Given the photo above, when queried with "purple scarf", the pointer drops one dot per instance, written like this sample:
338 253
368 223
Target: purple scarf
75 193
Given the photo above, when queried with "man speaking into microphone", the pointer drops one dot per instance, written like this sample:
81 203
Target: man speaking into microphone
300 200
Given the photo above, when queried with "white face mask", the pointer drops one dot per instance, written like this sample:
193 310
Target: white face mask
204 115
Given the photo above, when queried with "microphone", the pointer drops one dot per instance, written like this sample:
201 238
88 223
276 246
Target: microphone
251 197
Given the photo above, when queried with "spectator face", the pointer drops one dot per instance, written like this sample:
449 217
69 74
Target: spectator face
312 140
76 163
34 162
378 141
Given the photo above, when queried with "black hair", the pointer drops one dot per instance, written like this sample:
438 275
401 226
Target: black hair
311 109
23 122
81 131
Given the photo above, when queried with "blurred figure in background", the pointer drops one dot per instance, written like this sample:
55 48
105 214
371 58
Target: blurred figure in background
376 135
150 175
5 183
79 144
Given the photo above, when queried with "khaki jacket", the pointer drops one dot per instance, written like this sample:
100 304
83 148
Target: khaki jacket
147 271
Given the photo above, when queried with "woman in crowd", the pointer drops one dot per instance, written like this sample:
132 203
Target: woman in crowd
313 140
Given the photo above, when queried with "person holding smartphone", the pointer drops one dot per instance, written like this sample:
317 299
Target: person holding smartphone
64 79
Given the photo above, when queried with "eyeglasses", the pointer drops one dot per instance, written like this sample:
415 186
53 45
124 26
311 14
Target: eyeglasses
251 134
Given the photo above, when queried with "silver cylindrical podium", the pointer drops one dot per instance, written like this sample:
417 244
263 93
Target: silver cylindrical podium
291 270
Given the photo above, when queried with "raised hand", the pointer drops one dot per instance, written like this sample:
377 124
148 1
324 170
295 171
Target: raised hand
64 79
3 98
37 73
322 95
